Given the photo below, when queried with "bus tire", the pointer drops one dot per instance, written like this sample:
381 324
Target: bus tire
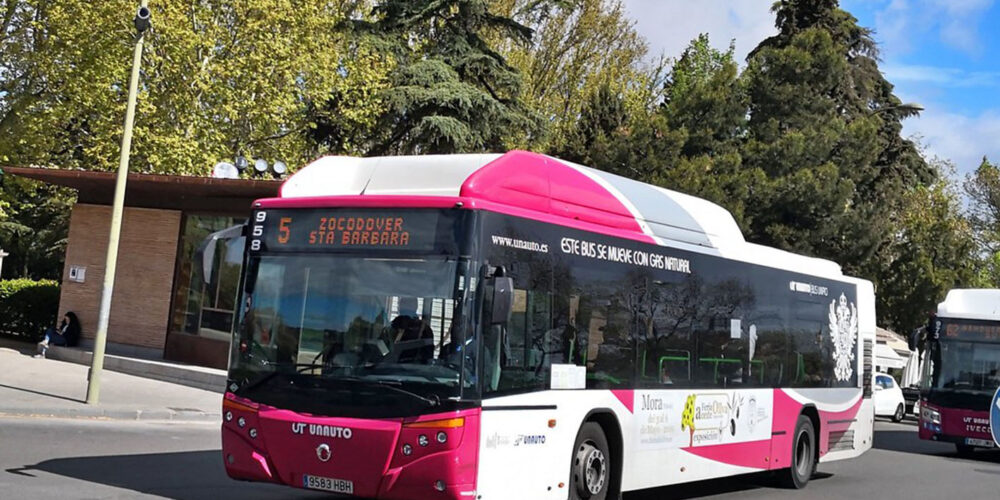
803 456
590 477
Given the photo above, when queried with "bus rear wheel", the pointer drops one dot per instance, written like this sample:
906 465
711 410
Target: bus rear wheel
591 471
803 455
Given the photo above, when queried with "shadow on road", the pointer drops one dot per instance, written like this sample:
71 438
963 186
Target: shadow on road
713 487
48 395
908 442
190 475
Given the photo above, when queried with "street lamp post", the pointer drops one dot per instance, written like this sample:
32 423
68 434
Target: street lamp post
142 24
2 255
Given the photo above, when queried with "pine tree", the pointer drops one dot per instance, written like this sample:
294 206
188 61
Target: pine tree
825 128
450 91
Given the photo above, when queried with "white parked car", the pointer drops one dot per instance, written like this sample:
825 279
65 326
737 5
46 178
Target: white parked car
888 398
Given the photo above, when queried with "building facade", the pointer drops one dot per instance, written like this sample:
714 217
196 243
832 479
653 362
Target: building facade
163 305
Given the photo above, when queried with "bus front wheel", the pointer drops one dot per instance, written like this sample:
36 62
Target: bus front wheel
803 455
591 472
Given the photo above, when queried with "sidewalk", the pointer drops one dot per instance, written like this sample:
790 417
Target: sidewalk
50 388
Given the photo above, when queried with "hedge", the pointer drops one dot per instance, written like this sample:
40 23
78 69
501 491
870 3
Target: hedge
28 307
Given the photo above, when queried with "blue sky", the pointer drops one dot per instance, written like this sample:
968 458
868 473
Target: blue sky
941 54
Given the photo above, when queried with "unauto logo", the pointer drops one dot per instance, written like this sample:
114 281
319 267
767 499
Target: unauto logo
528 439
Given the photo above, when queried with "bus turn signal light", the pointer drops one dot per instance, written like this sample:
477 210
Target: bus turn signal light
449 423
233 405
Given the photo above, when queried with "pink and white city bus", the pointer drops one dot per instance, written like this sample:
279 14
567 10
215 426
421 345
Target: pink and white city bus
517 326
961 369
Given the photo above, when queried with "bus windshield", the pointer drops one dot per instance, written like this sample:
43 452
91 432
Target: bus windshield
351 335
967 365
966 357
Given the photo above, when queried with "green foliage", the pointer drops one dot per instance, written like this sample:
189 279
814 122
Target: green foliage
218 78
983 190
450 91
705 99
35 228
28 307
825 129
577 47
932 251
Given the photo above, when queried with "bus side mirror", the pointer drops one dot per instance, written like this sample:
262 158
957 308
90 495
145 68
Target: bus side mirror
503 300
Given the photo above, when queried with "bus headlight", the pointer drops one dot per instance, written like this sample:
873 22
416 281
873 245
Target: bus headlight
930 415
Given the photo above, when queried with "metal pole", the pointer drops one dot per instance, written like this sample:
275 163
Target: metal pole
100 339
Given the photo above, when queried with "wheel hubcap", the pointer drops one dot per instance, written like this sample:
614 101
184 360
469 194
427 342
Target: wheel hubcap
591 469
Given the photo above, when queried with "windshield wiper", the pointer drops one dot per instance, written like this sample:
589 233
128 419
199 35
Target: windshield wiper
300 367
392 386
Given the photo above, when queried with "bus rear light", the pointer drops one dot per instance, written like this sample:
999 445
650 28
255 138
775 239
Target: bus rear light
449 423
407 450
439 485
423 441
442 437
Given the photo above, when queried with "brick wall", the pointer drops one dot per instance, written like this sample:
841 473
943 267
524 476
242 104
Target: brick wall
140 307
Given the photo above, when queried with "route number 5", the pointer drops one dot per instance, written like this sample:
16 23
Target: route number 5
284 232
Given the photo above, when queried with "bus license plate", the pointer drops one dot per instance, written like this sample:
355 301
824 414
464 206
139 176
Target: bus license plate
328 484
985 443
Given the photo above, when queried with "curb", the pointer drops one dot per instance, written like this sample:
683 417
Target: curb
112 414
199 378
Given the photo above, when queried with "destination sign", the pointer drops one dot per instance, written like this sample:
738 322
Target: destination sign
343 229
970 330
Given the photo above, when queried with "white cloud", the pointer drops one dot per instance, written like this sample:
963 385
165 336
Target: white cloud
956 23
670 25
943 77
960 138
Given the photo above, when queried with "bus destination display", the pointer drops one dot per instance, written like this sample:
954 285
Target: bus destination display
338 229
968 330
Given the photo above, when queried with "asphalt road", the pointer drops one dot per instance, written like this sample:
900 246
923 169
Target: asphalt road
77 459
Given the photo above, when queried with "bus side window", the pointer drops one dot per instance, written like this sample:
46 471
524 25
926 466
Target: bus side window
529 345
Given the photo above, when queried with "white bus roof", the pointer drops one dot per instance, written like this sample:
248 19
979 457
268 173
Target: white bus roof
971 303
549 185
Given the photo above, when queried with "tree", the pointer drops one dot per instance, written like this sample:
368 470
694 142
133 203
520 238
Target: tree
932 251
219 78
824 127
983 190
449 91
578 46
704 99
34 229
